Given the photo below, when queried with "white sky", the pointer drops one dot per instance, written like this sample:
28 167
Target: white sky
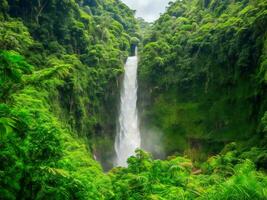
148 9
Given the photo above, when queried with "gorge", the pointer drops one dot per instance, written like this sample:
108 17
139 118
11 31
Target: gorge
69 126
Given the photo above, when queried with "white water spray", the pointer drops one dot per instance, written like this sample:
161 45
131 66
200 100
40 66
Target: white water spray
128 135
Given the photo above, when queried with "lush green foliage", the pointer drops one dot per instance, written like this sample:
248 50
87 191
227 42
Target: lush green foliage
203 67
40 158
60 63
58 59
229 175
93 39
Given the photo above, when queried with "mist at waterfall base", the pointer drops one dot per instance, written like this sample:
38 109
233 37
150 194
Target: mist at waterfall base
128 134
151 141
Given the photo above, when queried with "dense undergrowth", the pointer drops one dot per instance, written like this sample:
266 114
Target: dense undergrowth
60 63
229 175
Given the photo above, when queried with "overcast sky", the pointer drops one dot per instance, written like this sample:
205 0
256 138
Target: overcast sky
147 9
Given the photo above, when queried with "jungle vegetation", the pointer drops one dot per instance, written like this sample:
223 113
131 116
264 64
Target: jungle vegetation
202 79
203 75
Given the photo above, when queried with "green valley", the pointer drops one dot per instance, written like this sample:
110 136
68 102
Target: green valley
202 101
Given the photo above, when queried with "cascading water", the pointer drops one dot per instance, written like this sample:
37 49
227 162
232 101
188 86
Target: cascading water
128 135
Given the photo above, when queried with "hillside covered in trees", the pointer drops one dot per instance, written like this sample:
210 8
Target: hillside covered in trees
202 77
204 67
60 62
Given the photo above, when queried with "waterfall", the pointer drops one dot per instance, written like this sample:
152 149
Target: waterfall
128 134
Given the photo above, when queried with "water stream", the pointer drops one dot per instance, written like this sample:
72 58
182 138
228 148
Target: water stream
128 134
